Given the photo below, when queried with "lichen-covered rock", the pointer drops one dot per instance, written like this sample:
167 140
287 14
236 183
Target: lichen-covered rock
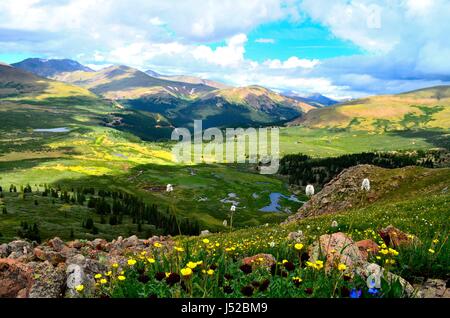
48 281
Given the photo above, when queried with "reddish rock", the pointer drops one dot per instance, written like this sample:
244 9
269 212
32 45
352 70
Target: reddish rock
75 244
394 237
99 244
48 255
258 260
15 279
367 247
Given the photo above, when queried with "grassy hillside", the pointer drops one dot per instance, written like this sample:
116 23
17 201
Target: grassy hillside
31 102
425 108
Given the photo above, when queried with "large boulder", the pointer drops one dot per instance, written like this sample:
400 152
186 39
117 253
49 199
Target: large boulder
48 281
336 248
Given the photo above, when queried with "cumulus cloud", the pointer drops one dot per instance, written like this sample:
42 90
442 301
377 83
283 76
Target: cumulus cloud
405 42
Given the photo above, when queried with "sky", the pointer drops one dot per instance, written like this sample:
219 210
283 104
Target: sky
340 48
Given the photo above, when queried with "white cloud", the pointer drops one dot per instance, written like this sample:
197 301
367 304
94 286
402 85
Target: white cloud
265 40
406 41
292 62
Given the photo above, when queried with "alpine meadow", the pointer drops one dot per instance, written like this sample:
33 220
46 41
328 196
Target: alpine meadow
347 102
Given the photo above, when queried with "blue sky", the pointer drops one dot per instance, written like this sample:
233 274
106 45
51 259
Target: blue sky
341 48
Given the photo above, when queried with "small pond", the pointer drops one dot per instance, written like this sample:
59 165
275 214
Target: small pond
274 205
56 130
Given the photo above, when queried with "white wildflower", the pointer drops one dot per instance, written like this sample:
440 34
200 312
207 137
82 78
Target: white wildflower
233 208
272 244
334 224
169 188
309 190
225 223
365 185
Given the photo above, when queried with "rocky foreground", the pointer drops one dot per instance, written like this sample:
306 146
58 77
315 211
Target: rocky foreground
54 268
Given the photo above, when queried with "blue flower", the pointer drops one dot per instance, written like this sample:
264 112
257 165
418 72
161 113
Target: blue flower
355 293
373 291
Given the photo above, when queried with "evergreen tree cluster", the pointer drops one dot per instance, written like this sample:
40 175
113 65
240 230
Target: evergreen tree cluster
303 170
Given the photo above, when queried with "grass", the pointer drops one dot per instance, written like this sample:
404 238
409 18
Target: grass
216 261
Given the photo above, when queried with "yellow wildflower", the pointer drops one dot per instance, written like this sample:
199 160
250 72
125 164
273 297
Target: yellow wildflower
115 265
121 277
97 276
191 265
210 272
150 260
298 246
384 251
109 273
342 267
103 281
431 251
79 288
186 271
157 244
435 241
131 262
179 249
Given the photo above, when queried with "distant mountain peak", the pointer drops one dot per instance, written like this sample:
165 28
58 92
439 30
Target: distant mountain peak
50 67
312 98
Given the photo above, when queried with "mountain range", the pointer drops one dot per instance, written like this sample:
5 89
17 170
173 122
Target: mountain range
149 102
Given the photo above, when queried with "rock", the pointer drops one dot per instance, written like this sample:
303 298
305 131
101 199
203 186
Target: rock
341 193
75 244
20 249
296 236
45 254
394 237
204 233
75 277
258 260
4 250
130 241
15 279
48 281
56 244
99 244
367 247
434 288
337 248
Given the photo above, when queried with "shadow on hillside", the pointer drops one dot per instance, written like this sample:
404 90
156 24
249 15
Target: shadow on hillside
437 138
